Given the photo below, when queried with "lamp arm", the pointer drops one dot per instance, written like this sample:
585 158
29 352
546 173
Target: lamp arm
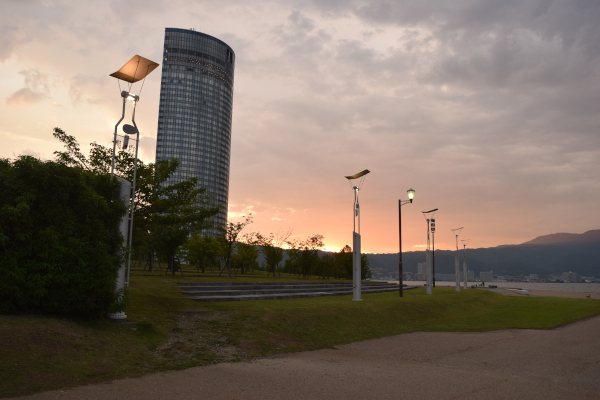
112 167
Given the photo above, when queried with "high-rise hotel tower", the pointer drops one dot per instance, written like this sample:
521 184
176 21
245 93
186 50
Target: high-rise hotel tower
194 116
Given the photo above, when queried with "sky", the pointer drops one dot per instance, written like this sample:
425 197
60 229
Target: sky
489 110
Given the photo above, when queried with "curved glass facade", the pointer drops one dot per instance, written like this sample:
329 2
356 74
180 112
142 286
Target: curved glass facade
194 117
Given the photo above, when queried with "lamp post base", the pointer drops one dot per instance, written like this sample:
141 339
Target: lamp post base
118 317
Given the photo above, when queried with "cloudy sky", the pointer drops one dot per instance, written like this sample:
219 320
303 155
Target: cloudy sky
489 109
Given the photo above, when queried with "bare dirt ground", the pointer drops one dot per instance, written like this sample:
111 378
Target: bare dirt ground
562 363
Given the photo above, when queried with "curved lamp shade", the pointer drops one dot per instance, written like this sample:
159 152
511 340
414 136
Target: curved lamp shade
135 70
356 176
411 194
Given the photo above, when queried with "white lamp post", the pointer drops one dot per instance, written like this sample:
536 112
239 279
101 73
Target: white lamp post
465 242
456 267
133 71
356 273
429 268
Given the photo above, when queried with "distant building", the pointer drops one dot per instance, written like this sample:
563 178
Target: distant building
572 277
421 271
470 276
486 276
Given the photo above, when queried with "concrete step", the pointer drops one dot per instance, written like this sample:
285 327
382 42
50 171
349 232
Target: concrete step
276 287
252 285
265 289
287 295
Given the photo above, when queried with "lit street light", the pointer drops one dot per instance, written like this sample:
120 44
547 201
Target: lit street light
356 270
411 195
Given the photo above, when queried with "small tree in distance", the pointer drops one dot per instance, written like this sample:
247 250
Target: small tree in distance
247 252
229 238
305 254
271 248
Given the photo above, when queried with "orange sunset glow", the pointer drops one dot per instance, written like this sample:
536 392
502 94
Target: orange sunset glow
491 116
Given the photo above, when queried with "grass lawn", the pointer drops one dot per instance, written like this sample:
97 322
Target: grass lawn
166 331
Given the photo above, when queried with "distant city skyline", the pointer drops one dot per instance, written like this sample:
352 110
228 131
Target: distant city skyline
489 110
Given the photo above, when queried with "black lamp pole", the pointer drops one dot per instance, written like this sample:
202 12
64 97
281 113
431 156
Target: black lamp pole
411 195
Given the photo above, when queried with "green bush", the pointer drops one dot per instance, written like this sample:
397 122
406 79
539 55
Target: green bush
59 238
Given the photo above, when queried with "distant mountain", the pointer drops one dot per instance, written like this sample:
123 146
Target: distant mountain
544 255
592 236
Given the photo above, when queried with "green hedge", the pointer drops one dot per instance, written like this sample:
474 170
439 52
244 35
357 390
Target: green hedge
59 238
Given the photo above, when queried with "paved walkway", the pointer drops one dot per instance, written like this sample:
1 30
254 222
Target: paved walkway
514 364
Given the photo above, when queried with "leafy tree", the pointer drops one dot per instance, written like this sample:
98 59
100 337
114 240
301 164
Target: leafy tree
229 237
177 211
271 248
365 271
165 216
247 253
345 261
328 265
305 254
59 238
203 251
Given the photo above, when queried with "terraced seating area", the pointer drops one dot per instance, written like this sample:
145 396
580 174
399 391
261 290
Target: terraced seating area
240 291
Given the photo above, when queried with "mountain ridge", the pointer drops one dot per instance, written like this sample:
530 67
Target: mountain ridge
544 255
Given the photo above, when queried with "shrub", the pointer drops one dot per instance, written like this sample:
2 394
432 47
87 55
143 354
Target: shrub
59 238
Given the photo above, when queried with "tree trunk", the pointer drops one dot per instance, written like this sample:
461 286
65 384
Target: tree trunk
151 262
171 265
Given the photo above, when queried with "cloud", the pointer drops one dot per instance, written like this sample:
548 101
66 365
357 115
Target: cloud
29 152
148 148
90 89
472 102
36 89
11 38
24 97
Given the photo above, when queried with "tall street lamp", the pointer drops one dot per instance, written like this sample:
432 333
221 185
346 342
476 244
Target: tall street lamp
429 270
411 195
465 242
433 251
456 269
133 71
356 273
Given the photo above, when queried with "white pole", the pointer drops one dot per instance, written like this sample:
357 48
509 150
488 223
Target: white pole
112 166
465 265
120 282
130 238
465 272
428 264
429 273
356 293
456 266
356 275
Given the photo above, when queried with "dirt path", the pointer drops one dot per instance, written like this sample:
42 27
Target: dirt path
549 364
